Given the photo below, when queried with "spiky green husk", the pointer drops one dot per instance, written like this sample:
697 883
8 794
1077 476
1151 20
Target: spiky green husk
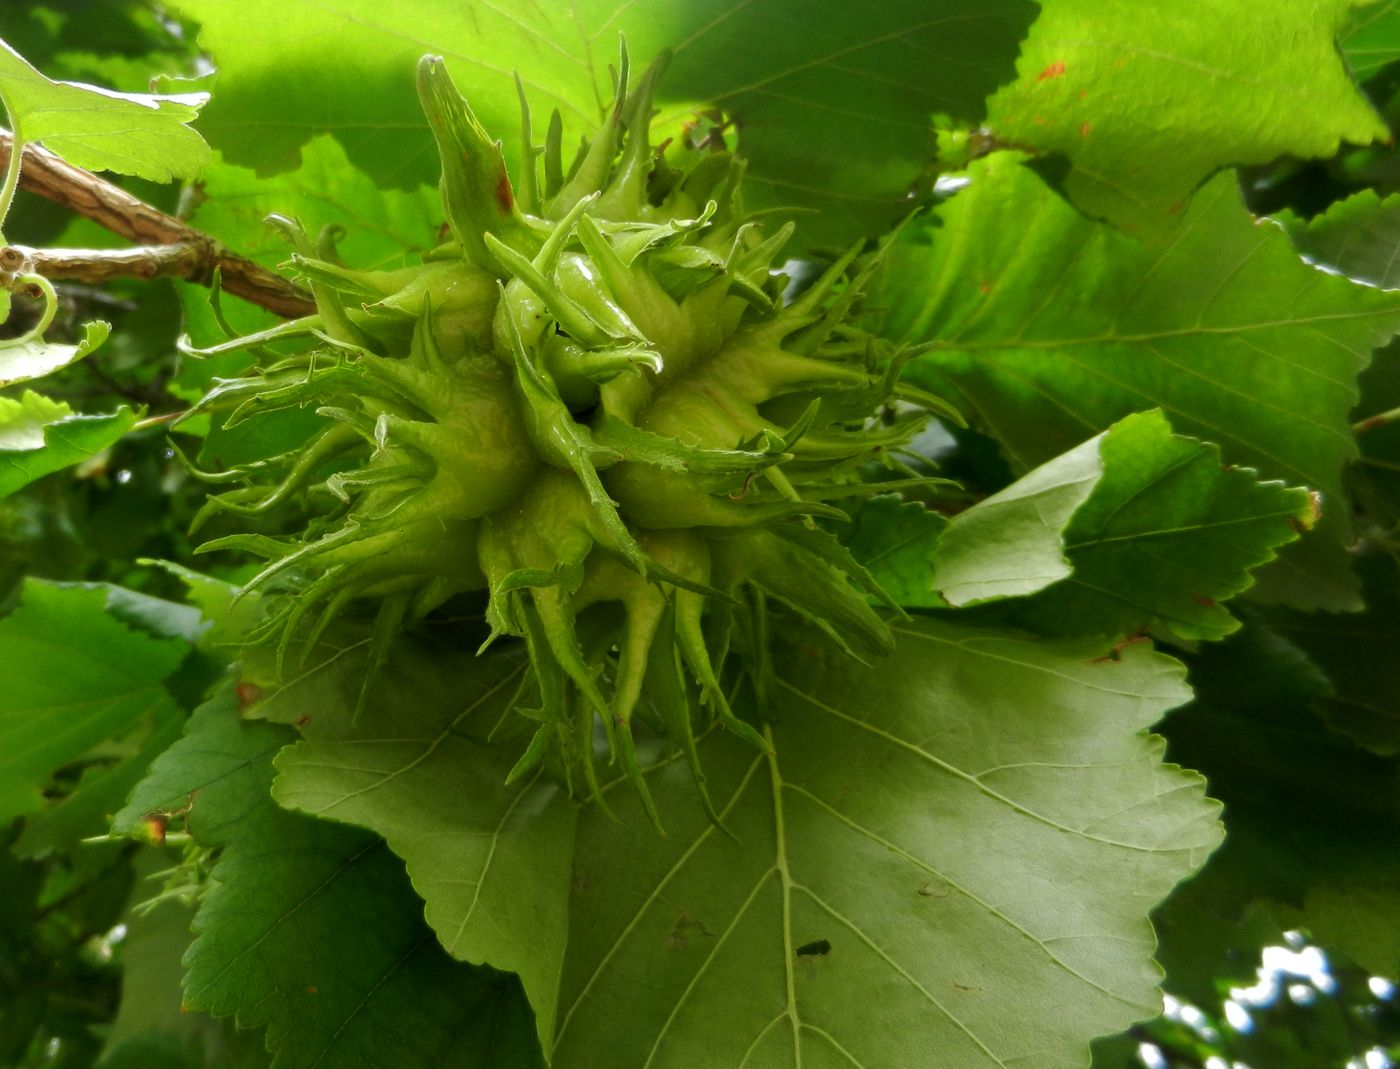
593 396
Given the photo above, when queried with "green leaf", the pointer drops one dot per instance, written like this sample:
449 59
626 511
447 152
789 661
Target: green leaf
215 777
1047 328
1165 536
1355 237
100 793
830 101
962 841
895 540
151 1030
1373 39
35 358
72 677
39 436
1307 807
220 622
140 134
311 928
1356 651
1012 543
492 863
1146 102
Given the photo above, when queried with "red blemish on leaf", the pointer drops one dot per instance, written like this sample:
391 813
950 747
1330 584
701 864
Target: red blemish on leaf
304 720
443 231
247 693
1085 128
1053 71
1201 599
311 990
153 829
505 199
1177 207
984 287
1114 655
1083 93
1039 120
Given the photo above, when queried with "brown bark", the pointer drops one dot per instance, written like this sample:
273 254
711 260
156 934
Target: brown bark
166 245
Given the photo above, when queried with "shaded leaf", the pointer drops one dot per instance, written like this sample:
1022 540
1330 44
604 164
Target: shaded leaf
492 863
977 824
895 540
72 677
1355 237
1048 328
151 1031
1314 820
140 134
830 102
99 794
311 928
1373 38
1356 651
1147 102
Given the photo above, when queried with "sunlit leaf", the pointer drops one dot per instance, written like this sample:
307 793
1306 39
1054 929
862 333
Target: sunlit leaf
1049 328
1146 102
38 436
141 134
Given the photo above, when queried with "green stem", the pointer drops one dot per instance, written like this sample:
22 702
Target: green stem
36 332
7 192
1372 422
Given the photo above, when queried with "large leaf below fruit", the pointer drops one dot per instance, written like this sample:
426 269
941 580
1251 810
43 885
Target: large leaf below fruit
964 842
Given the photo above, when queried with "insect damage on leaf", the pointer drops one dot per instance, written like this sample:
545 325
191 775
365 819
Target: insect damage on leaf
593 403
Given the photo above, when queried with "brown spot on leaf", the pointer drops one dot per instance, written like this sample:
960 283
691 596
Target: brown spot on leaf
984 287
1116 654
505 199
311 990
1053 71
1201 599
247 693
153 829
686 927
302 721
1084 129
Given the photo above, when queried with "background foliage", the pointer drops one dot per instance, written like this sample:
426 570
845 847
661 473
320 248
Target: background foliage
1153 266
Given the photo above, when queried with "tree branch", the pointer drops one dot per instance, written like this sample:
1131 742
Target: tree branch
166 245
